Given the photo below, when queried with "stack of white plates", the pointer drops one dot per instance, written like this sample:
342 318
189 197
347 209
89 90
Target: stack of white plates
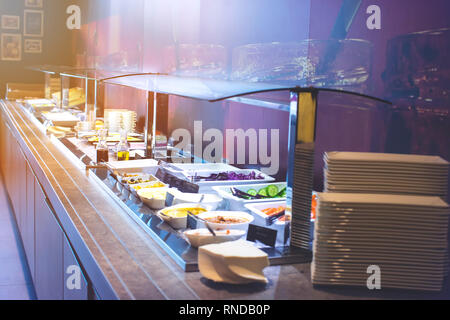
404 236
129 121
355 172
115 120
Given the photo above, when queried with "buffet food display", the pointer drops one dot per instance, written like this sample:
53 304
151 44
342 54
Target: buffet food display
225 211
193 204
174 202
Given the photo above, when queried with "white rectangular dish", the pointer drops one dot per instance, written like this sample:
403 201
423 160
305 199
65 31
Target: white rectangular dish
149 166
207 186
235 203
186 167
63 119
260 217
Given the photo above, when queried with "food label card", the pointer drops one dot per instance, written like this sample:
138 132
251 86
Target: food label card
264 235
169 199
191 223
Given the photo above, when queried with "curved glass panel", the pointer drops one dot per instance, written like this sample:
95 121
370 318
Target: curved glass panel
208 89
196 88
50 69
82 73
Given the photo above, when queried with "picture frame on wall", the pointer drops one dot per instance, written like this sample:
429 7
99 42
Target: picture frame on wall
10 22
32 46
11 47
33 23
34 3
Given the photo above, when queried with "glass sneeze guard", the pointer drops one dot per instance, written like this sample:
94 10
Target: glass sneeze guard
92 78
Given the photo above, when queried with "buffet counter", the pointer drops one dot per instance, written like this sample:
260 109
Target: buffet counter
67 218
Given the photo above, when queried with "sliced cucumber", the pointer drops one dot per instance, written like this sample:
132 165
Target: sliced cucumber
252 192
272 191
263 192
282 193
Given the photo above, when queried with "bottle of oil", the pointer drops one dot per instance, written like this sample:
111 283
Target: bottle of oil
102 146
123 148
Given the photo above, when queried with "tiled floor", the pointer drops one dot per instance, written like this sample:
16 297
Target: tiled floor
15 280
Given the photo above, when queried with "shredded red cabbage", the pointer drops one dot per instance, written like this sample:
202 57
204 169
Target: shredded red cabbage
229 176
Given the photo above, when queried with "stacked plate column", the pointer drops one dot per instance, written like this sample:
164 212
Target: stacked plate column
301 195
404 237
301 166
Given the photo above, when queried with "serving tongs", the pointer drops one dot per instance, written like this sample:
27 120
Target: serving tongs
270 220
239 193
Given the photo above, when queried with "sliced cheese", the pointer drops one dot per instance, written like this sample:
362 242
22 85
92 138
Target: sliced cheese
235 262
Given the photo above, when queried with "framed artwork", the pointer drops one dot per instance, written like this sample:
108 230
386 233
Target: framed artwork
10 22
33 23
34 3
11 47
32 46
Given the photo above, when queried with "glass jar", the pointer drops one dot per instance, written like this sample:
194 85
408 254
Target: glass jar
123 148
102 146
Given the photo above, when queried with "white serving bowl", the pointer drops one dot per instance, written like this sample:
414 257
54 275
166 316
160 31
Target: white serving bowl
154 201
179 222
212 200
143 176
147 166
227 214
148 186
201 237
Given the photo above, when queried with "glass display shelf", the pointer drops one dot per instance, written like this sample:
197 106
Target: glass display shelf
205 89
213 90
50 69
94 74
195 88
86 92
90 74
